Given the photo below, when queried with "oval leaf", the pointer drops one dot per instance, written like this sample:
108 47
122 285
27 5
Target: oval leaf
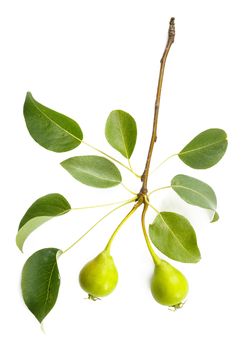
52 130
205 150
121 132
40 282
194 191
174 236
93 171
42 210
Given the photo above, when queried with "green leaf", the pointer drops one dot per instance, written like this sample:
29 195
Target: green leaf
40 282
174 236
121 132
194 191
205 150
93 171
42 210
52 130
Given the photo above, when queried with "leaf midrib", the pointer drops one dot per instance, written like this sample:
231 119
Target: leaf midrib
94 175
177 239
120 128
49 283
190 189
51 120
199 148
48 216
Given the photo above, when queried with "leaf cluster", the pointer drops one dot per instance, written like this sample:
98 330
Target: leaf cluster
171 233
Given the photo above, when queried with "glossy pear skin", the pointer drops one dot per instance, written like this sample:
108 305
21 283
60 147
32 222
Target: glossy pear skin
168 285
99 276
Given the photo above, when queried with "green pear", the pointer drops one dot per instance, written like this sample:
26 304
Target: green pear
99 276
168 285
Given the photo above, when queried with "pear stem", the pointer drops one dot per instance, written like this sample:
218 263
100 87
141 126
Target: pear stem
154 256
108 246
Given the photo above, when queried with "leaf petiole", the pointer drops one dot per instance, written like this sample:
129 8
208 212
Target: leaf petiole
159 189
112 158
96 223
150 205
127 189
100 205
130 166
164 161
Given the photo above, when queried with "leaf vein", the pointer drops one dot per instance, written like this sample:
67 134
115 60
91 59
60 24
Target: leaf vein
175 237
97 177
121 132
52 121
198 193
202 147
49 283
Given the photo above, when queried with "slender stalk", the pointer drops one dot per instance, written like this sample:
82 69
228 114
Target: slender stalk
127 189
154 256
112 158
171 37
129 162
150 205
130 166
101 205
165 160
158 189
96 223
108 246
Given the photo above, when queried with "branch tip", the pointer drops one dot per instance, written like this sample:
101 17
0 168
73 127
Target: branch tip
172 29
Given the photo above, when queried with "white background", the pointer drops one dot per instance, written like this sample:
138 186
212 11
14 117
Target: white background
84 59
